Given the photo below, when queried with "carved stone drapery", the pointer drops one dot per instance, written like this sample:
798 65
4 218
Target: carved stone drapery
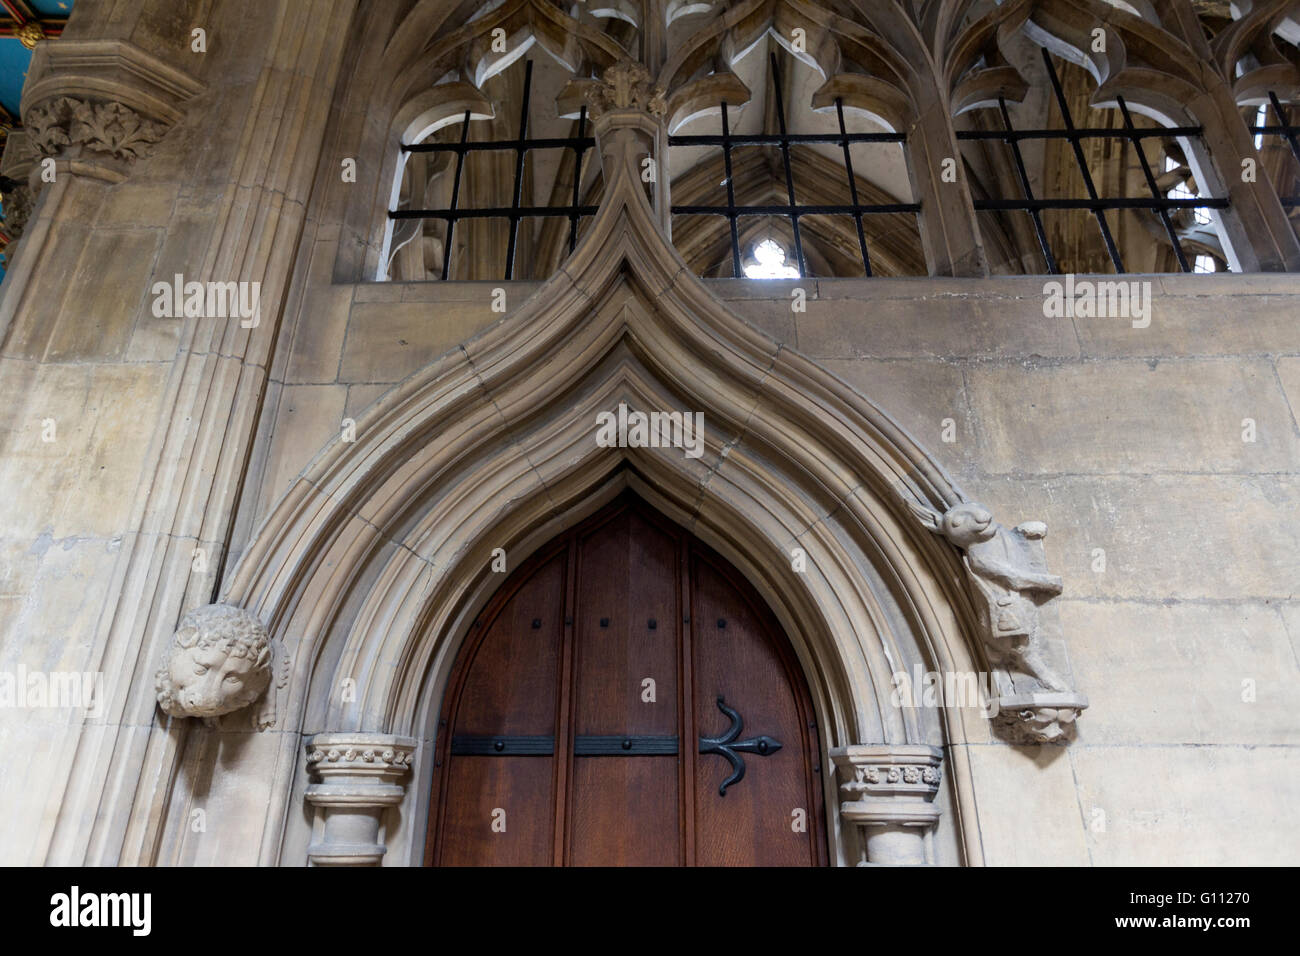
888 793
359 778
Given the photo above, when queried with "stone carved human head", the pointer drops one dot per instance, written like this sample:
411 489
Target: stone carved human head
218 661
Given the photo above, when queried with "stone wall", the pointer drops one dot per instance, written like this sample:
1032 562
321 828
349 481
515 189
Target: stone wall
1128 440
130 441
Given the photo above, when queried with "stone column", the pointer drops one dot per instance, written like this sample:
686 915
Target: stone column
888 793
360 778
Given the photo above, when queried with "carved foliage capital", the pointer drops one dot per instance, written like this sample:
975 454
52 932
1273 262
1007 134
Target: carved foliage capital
99 127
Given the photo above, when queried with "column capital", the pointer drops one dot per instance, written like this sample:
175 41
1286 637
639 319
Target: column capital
888 792
360 776
99 105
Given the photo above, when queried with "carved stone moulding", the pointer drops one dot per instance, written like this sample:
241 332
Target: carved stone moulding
101 104
1040 717
889 793
359 776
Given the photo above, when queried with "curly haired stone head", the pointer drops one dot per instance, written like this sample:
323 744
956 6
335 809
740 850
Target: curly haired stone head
218 661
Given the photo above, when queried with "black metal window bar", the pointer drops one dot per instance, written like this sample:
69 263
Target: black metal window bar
1287 131
515 212
1158 202
792 209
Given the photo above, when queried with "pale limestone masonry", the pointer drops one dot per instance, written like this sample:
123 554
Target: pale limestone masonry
152 466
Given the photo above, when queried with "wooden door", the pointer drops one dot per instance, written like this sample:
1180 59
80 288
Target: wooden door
562 735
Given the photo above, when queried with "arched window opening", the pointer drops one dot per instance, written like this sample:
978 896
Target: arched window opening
502 198
816 145
768 260
836 178
1063 186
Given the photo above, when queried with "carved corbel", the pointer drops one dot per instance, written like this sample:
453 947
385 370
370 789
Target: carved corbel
98 105
888 793
1012 591
220 661
359 777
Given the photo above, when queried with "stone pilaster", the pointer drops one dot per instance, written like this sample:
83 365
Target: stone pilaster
359 778
888 793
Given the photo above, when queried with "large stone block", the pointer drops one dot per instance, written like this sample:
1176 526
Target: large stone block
387 341
1028 811
1183 673
308 417
1189 806
101 420
101 305
920 396
926 318
1132 417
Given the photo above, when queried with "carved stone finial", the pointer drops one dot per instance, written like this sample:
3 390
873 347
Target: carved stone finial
100 127
626 85
219 661
1008 576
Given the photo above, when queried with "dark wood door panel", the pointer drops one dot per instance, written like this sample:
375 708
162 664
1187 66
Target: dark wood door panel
626 622
498 812
624 812
549 718
736 656
512 681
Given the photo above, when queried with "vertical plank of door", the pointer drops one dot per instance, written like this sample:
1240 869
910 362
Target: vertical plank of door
564 710
494 696
623 810
689 733
751 824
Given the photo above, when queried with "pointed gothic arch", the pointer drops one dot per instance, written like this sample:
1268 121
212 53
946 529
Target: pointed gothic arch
373 564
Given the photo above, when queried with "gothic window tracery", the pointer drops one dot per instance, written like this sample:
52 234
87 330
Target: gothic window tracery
961 137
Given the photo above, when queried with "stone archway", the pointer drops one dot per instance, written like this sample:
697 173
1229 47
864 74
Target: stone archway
371 567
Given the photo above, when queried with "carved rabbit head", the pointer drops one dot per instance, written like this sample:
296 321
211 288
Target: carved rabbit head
964 525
